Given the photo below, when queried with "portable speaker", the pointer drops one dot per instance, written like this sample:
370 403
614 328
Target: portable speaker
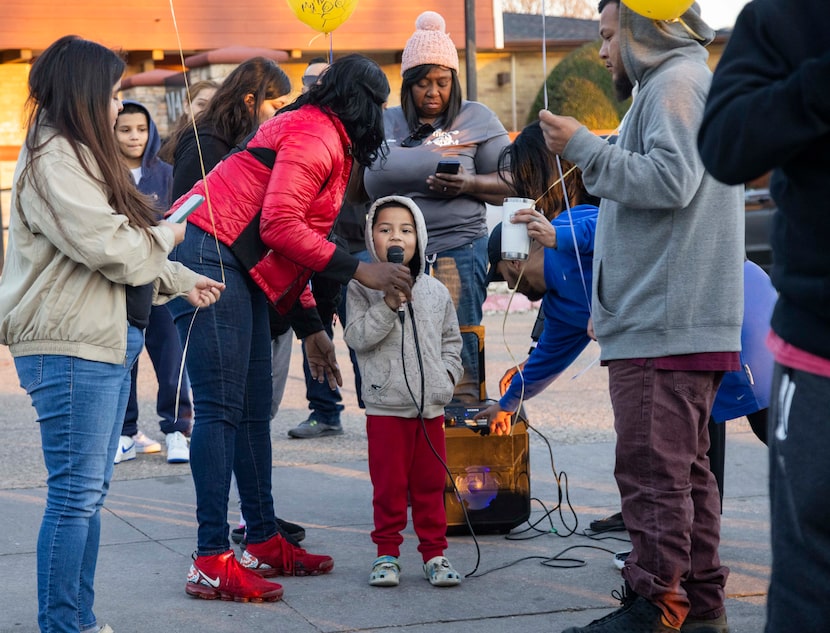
492 476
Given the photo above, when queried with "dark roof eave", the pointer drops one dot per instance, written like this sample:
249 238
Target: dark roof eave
551 44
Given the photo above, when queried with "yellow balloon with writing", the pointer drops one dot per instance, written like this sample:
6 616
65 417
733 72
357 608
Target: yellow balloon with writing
659 9
323 15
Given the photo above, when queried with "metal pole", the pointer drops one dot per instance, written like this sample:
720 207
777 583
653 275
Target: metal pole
470 53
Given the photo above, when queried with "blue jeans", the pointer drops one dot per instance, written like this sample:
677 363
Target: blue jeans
228 360
80 407
323 401
463 271
165 350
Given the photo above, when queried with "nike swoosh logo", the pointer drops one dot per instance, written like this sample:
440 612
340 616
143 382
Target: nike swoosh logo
128 449
213 582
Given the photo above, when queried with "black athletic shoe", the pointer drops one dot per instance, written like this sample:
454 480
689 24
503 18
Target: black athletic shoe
636 615
613 523
296 532
696 625
238 536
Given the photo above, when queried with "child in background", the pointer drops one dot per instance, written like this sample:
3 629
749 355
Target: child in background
395 344
138 142
200 95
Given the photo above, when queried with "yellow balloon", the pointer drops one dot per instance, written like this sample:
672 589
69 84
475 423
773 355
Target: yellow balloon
659 9
323 15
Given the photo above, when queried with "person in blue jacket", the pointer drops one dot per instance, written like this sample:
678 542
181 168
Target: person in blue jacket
746 392
557 269
138 141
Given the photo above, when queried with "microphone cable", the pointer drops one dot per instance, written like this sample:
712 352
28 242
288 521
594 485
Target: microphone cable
420 408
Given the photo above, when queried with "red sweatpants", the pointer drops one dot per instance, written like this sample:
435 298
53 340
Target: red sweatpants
401 461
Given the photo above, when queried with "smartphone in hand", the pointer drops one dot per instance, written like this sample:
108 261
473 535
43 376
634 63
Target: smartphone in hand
188 207
447 166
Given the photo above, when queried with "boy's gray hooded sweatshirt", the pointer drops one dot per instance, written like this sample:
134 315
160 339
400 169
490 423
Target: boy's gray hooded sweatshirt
670 239
374 332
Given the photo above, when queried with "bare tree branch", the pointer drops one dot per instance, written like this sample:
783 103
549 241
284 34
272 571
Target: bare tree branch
565 8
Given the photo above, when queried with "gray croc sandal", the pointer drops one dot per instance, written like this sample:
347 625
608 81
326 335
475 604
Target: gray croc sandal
440 572
386 572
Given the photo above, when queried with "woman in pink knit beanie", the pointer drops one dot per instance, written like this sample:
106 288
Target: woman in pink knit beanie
434 123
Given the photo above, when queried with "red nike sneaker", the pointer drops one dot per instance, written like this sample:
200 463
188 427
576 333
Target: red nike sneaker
278 557
221 576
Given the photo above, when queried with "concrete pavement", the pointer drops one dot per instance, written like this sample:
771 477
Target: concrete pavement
521 584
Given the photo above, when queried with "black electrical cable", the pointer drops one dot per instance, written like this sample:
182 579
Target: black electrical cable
420 408
564 507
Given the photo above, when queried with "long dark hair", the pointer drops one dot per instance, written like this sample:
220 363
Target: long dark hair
354 90
70 91
412 77
227 114
531 168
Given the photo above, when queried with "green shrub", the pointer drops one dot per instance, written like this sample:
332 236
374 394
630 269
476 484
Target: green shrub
587 103
580 86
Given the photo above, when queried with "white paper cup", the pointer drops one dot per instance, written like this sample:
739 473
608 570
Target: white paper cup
515 242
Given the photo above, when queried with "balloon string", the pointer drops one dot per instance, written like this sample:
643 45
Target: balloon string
198 142
585 369
689 29
513 290
545 54
573 234
186 343
567 173
536 202
556 182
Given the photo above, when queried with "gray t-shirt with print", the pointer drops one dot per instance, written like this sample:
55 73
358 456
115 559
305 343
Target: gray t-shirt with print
475 139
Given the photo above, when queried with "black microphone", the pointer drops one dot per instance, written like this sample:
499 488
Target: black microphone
394 255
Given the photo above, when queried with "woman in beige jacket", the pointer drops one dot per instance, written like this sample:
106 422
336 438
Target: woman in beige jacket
86 259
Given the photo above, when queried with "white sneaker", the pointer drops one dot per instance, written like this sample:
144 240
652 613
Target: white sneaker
144 444
178 450
126 449
620 558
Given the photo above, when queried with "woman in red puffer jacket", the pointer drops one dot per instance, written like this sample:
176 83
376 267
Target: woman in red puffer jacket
263 232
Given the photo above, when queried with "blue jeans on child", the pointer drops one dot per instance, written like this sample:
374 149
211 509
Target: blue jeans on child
80 408
161 339
323 401
229 364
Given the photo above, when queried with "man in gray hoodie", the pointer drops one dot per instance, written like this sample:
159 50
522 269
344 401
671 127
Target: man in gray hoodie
667 311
